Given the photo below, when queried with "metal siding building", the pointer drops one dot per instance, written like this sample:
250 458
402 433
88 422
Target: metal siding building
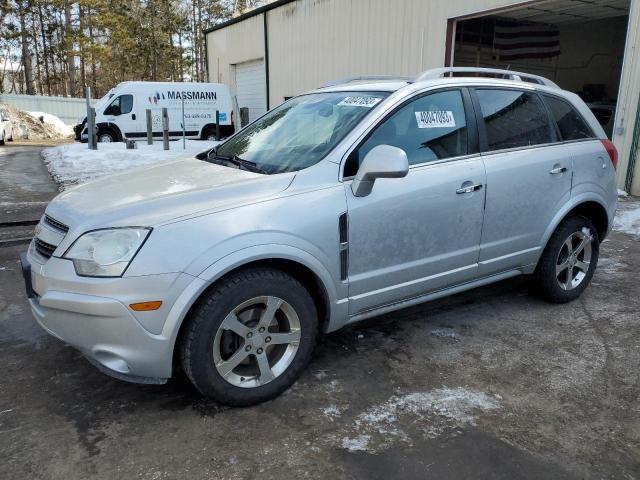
290 46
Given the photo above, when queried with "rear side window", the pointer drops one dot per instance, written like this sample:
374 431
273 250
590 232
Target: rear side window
431 127
513 119
570 122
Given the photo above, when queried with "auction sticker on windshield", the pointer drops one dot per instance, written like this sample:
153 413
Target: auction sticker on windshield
366 102
435 119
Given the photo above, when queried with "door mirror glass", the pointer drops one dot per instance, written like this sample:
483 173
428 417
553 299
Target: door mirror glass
383 161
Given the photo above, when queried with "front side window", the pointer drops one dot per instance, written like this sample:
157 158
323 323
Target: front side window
432 127
301 132
513 119
121 105
570 122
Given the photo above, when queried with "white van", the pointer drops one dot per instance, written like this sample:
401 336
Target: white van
121 113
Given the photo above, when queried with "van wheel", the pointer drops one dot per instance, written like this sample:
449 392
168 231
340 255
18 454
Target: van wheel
250 337
568 261
209 134
106 136
2 142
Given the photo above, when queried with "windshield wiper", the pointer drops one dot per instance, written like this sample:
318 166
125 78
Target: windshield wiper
247 164
241 163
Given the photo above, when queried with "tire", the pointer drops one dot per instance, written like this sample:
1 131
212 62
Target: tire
2 142
209 134
11 139
210 352
106 136
551 277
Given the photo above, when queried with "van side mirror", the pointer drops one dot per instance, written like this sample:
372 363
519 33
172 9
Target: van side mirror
383 161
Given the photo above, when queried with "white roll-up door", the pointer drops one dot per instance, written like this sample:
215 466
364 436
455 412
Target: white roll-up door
250 87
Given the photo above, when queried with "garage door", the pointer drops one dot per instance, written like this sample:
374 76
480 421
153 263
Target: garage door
250 87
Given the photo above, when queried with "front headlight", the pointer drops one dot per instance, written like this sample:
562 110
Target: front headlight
106 253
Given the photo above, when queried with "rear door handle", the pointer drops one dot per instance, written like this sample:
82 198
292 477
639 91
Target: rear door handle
468 188
557 170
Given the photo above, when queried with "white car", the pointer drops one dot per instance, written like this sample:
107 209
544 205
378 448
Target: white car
6 128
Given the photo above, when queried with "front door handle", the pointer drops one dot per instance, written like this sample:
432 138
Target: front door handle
557 170
468 188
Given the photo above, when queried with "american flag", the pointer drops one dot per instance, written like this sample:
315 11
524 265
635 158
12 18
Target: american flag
518 40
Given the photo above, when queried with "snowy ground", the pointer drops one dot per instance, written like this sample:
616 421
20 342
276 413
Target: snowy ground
75 163
628 216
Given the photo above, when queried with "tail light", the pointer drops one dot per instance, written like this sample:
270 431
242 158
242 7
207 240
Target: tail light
611 150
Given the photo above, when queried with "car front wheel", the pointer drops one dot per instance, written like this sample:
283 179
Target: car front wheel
568 261
250 337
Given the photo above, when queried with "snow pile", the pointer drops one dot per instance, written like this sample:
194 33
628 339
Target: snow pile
75 163
64 130
430 412
27 126
628 218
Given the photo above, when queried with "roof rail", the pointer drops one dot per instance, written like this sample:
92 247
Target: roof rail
509 74
343 81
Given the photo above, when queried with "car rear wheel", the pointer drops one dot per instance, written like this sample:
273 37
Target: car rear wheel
568 261
250 337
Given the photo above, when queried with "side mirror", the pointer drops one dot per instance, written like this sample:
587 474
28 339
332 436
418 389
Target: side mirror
383 161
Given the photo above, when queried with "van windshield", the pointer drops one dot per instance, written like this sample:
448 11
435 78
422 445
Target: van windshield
300 132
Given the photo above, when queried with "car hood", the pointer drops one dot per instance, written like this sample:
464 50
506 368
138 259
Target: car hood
162 193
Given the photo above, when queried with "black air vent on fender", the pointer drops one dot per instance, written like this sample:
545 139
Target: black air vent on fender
343 227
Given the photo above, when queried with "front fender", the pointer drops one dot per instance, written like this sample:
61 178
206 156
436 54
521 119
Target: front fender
337 301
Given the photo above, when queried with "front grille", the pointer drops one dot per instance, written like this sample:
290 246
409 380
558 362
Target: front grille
55 224
43 248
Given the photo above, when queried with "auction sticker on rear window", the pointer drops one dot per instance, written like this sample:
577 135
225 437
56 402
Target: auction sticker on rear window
435 119
366 102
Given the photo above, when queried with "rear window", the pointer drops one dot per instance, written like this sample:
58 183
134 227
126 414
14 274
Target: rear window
570 122
513 119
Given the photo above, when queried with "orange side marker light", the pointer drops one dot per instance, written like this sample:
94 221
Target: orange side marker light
146 306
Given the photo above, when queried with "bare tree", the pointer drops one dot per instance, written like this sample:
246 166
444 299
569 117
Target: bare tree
26 54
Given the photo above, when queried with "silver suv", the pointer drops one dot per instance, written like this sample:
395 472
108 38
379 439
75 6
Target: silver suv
344 203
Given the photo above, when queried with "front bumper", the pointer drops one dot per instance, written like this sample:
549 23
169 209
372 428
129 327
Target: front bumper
93 315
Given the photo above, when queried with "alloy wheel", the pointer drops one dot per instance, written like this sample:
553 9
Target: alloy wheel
574 259
256 342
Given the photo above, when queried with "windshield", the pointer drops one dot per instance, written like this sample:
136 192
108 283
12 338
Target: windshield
300 132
